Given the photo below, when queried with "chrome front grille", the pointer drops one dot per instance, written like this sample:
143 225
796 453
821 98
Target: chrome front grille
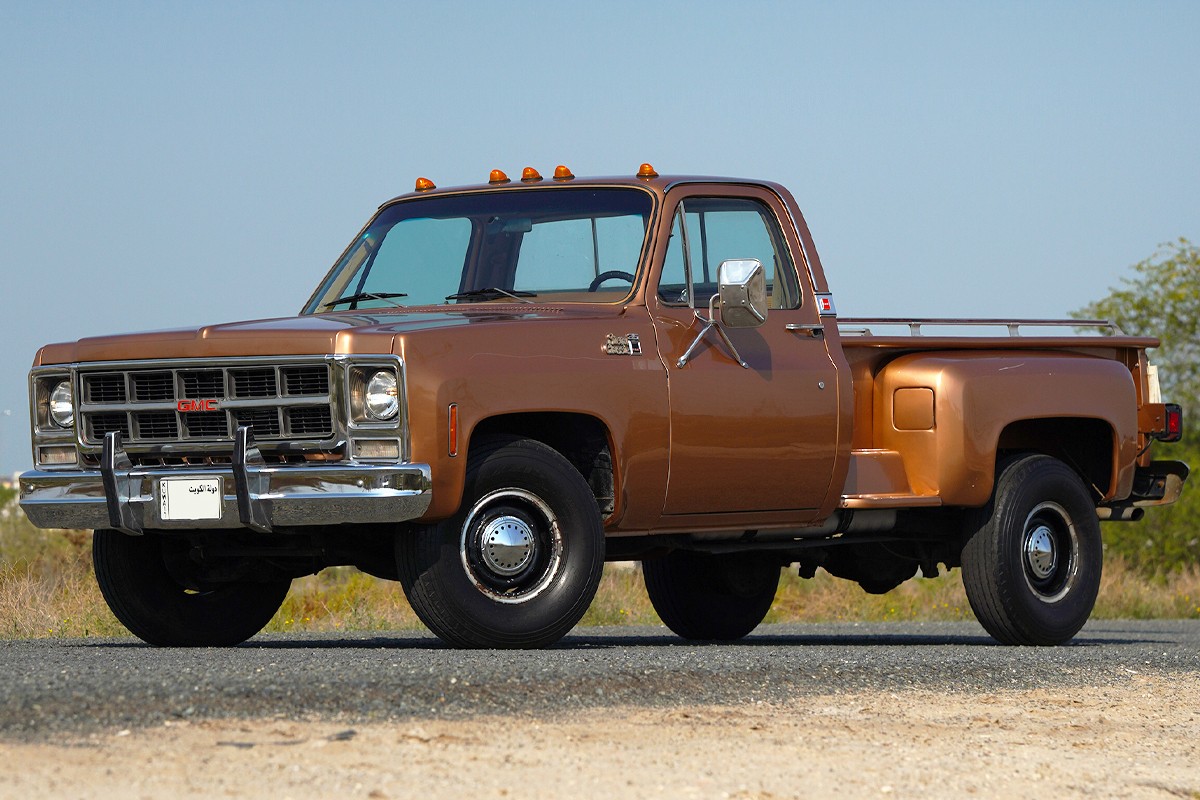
180 403
254 382
198 384
104 388
264 420
156 425
98 424
151 386
306 421
307 380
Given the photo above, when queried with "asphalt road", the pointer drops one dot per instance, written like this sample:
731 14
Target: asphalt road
52 686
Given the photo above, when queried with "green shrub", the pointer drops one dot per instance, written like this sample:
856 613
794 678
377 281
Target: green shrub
1168 538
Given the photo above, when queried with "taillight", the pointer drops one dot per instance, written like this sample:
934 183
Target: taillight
1173 430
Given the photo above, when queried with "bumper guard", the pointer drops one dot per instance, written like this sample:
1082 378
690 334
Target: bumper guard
255 495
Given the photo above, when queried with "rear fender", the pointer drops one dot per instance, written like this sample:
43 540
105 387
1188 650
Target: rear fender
947 414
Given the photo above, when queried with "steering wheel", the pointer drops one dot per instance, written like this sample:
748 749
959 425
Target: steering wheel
612 273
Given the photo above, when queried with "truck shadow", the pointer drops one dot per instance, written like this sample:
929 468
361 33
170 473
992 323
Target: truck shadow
425 642
831 640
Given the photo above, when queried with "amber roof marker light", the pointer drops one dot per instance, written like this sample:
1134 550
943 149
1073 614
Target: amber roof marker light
530 175
646 171
424 185
497 176
561 173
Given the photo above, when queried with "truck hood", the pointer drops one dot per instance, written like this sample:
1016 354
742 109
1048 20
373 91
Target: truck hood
341 333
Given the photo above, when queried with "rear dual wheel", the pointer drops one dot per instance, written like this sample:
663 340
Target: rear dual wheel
1032 564
708 597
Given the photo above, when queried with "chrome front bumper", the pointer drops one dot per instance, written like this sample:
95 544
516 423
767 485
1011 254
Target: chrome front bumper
254 495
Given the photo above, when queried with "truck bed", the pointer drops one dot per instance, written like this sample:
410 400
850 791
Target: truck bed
902 464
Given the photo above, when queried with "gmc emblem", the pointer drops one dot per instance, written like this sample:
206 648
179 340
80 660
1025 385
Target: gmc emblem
188 406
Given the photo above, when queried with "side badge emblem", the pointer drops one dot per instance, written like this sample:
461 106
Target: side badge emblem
629 345
825 307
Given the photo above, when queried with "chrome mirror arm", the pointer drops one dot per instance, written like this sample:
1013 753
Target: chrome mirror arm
710 324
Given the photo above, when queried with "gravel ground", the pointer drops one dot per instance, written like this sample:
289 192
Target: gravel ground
891 710
1137 740
64 686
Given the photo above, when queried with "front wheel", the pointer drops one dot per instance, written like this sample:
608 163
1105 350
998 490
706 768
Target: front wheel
708 597
519 564
1032 564
145 581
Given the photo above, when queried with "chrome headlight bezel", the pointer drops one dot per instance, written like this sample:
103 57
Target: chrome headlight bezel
376 408
375 395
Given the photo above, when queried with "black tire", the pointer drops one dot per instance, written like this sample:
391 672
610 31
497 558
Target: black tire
711 597
520 562
1032 564
147 598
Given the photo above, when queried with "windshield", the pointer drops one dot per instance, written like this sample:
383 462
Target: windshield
577 245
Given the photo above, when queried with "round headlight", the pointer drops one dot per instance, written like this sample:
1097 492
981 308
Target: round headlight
382 397
62 409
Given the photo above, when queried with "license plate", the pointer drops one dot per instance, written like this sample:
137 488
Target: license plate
190 498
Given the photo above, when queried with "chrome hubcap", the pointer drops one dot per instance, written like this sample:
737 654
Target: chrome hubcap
507 545
1040 554
1050 552
511 545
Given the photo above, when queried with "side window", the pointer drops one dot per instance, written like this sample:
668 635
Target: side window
717 229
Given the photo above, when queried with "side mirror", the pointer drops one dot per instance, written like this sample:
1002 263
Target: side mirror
742 292
742 286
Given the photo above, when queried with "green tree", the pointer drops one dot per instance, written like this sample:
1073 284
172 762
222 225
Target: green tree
1162 299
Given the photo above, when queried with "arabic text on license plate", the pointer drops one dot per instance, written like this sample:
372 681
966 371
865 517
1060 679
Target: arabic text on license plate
190 498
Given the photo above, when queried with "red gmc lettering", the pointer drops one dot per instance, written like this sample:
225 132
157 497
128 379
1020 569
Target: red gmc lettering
187 406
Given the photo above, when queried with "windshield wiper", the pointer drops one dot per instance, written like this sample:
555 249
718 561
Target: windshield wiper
354 298
492 294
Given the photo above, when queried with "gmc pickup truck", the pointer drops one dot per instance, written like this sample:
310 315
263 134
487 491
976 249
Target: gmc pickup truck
496 388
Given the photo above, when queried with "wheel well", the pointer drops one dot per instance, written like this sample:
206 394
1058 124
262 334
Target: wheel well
581 439
1085 445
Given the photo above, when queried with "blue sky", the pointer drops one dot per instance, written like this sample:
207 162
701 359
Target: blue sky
169 164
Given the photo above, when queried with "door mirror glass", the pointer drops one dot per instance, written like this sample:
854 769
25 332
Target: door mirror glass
742 285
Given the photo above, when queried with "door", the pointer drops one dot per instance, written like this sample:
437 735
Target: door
759 438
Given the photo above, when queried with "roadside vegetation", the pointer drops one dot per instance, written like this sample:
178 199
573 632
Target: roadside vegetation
47 590
1161 298
1152 568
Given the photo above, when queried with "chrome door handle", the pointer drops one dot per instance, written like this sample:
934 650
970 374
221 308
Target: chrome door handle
815 331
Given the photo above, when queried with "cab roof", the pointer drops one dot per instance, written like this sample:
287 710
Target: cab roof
645 178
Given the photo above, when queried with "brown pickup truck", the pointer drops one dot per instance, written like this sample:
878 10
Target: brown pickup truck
497 388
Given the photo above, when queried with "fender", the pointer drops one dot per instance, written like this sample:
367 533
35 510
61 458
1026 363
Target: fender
944 412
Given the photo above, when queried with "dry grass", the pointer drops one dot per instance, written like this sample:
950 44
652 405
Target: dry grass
47 589
344 599
621 599
1126 593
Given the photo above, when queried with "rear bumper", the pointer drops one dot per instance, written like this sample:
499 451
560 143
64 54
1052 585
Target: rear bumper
253 494
1159 484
